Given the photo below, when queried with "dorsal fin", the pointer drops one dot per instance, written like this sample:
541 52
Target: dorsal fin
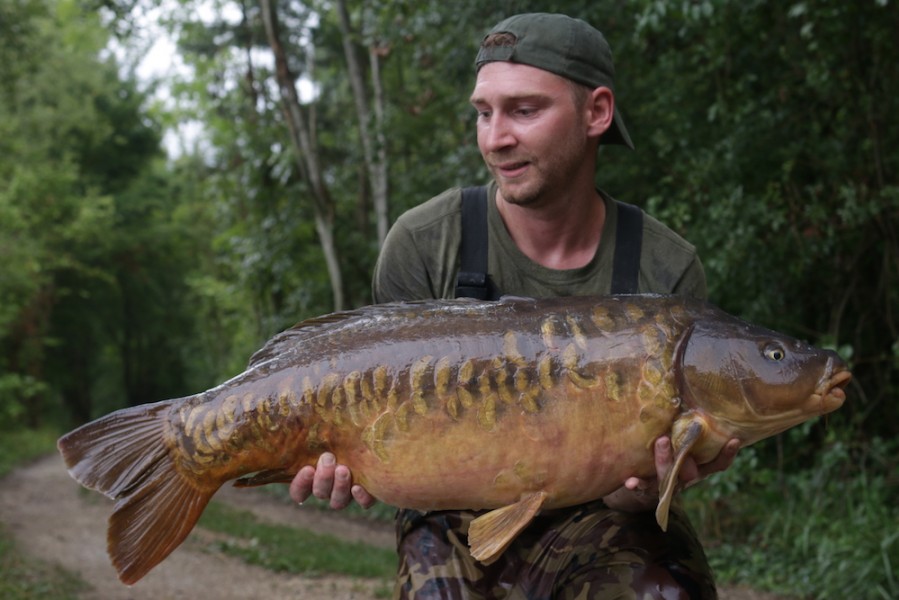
327 324
296 335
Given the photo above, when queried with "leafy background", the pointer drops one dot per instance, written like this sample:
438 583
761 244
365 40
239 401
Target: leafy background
765 132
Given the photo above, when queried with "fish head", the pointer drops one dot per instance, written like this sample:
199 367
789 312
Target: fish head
745 382
751 383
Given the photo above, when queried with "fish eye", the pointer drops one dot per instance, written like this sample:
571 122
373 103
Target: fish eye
774 352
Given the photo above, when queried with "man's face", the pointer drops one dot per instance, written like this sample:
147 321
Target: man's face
531 134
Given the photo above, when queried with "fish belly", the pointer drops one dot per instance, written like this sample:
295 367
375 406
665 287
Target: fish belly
574 449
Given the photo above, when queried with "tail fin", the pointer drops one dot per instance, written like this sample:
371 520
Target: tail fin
124 456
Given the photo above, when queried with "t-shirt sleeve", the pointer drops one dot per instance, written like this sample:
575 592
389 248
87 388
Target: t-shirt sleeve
670 264
420 255
693 282
400 271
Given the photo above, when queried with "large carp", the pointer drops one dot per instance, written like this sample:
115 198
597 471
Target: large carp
458 404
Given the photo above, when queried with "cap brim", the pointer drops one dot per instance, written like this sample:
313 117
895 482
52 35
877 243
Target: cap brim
617 133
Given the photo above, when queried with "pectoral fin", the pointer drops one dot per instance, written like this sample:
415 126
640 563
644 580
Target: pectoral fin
684 437
490 534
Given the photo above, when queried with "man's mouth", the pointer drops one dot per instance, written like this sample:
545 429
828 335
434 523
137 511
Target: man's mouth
511 169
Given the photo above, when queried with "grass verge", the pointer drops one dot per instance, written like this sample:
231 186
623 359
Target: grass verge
286 549
19 446
23 577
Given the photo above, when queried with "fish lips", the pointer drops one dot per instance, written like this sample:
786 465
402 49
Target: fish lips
831 389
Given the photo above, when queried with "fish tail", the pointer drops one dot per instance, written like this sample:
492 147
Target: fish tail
124 456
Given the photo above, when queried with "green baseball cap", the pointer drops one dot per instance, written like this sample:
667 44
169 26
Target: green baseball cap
568 47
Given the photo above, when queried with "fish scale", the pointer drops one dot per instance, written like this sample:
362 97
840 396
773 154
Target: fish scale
515 406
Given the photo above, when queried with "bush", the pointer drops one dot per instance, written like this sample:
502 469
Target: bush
827 531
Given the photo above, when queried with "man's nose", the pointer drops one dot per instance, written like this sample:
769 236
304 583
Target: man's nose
496 134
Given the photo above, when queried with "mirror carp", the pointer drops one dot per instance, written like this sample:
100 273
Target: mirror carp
458 404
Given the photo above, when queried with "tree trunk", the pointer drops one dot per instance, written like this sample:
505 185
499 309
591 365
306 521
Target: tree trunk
374 150
307 158
380 183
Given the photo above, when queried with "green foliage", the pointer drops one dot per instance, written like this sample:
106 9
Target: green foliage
826 531
14 389
104 246
18 446
764 132
295 550
765 129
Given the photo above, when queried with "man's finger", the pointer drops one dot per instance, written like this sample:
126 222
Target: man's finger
362 497
301 486
324 476
340 492
724 459
664 455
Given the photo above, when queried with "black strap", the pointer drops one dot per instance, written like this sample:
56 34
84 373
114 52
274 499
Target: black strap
472 281
628 244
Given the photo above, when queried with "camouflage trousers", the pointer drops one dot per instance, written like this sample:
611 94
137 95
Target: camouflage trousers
584 552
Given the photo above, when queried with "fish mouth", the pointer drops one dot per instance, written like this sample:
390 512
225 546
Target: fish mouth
830 393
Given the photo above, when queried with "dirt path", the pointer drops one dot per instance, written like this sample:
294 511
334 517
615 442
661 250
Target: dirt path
53 519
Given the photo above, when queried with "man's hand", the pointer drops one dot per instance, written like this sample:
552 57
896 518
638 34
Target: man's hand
643 494
329 481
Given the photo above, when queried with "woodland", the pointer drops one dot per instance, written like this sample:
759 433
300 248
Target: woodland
137 264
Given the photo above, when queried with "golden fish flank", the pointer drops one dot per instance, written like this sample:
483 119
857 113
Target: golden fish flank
369 400
549 329
612 383
602 318
371 386
501 379
653 339
442 378
504 380
633 312
417 375
349 396
577 332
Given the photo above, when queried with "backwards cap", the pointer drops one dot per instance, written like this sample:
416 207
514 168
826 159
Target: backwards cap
568 47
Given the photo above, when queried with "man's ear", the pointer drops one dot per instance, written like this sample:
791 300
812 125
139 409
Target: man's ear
600 109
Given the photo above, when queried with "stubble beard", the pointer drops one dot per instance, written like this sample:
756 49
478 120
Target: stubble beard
523 193
545 178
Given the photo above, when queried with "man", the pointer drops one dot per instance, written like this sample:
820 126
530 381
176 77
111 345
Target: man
544 95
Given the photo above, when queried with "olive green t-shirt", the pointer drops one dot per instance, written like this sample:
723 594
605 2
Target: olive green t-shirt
420 257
